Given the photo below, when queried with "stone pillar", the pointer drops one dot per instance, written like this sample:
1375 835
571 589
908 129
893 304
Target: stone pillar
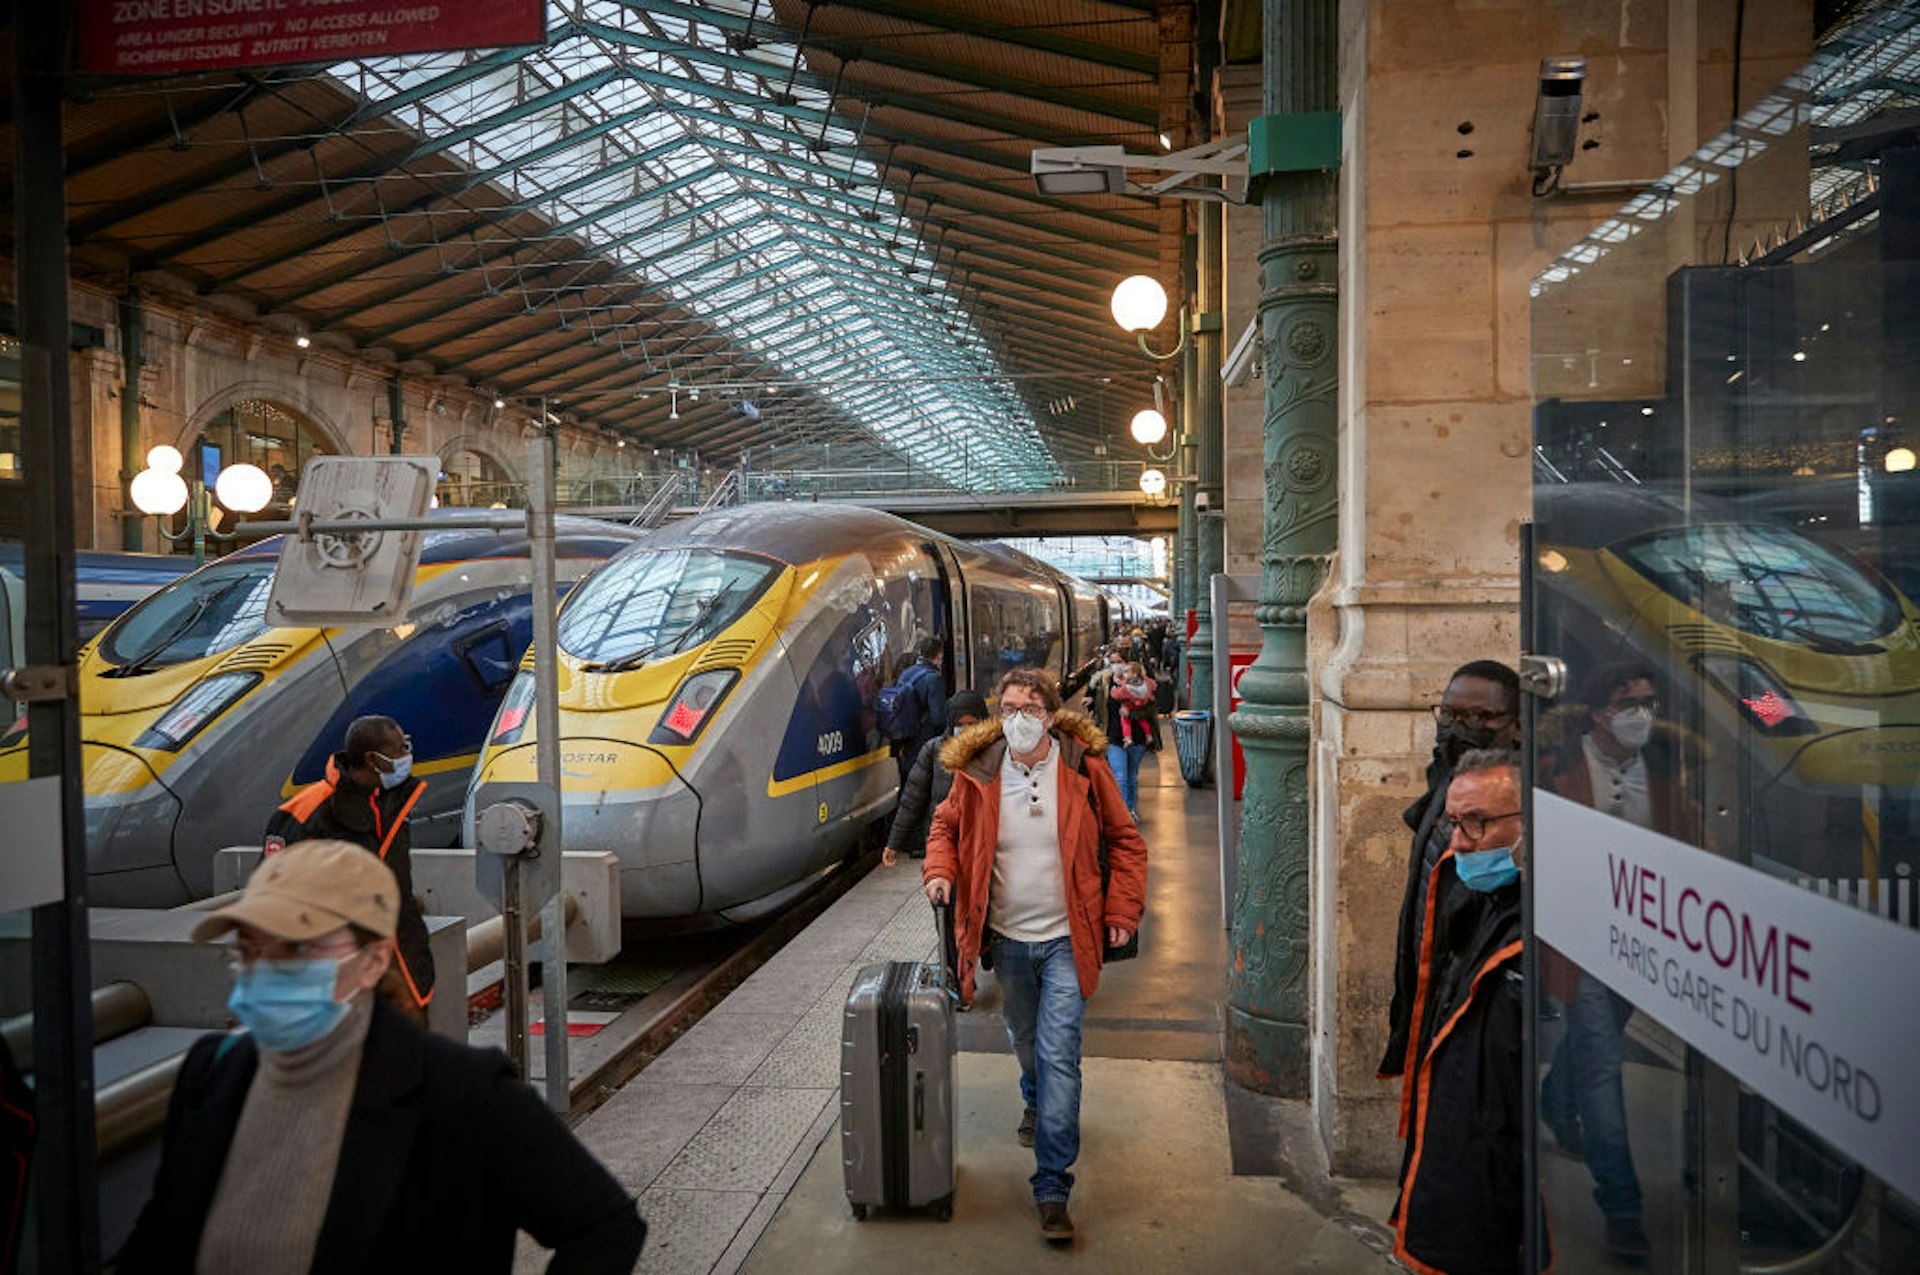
1267 990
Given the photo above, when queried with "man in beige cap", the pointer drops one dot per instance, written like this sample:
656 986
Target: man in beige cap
334 1135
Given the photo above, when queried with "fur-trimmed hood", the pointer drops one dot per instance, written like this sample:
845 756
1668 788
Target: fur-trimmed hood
1068 726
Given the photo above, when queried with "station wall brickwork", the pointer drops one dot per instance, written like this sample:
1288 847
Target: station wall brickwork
199 362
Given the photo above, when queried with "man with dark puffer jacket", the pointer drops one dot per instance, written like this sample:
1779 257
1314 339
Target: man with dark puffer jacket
1462 1189
928 783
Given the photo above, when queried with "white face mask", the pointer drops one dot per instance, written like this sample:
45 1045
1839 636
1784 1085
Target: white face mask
1632 727
1023 733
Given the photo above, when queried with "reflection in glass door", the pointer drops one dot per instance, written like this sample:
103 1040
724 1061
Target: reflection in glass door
1726 555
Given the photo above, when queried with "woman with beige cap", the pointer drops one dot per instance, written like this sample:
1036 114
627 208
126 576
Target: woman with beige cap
331 1134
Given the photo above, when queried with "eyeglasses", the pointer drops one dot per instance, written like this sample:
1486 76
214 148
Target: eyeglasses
240 953
1035 712
1651 704
1473 718
1475 826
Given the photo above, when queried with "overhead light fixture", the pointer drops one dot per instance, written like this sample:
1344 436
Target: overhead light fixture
499 403
1899 460
303 340
1102 170
1139 304
1166 143
1148 427
1153 481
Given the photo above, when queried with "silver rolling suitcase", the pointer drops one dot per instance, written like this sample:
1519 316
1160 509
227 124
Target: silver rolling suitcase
897 1100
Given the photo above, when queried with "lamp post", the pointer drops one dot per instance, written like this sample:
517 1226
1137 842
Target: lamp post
1139 304
159 490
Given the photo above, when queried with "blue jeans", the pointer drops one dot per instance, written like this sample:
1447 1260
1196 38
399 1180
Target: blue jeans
1584 1081
1124 761
1042 1006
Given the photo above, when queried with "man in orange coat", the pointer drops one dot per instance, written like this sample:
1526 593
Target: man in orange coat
1019 846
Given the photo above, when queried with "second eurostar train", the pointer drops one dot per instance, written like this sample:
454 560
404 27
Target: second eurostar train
717 689
197 718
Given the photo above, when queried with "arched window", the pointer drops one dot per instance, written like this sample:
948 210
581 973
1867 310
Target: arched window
472 480
257 432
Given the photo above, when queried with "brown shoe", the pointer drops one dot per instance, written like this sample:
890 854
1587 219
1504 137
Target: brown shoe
1025 1132
1055 1225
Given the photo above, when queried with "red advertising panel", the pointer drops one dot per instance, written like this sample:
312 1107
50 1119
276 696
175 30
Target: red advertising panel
1241 661
169 37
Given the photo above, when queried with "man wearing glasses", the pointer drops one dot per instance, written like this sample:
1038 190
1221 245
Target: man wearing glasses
330 1134
1462 1192
1481 709
1019 845
369 791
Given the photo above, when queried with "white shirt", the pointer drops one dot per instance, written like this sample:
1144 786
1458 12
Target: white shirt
1029 899
1619 787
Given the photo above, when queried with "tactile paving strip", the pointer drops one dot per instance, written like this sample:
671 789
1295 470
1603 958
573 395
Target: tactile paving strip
746 1142
689 1231
809 1055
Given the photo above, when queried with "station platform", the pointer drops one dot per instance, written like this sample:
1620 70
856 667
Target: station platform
730 1138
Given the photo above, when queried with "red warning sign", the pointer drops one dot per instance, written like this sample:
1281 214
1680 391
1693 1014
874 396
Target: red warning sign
171 37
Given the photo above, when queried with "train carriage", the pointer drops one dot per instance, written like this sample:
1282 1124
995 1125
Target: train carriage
717 689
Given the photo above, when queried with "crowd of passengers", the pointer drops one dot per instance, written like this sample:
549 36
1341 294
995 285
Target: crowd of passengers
332 1132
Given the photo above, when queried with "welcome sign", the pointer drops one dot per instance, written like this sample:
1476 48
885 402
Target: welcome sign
1812 1004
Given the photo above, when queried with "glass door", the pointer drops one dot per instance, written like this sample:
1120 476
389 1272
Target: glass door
1726 795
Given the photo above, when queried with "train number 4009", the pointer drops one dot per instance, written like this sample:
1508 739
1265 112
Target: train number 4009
832 742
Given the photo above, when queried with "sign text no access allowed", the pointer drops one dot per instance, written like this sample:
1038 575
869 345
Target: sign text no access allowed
172 37
1812 1004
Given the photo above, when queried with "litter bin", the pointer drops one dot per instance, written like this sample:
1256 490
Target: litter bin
1193 739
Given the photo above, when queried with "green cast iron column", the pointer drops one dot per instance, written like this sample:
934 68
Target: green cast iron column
1267 989
1210 413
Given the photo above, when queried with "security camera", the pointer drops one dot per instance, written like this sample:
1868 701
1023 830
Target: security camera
1202 502
1556 115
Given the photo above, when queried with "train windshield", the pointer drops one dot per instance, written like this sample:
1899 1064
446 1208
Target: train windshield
1768 581
212 610
657 603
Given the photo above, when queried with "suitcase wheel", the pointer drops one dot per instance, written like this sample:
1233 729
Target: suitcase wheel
859 1212
942 1209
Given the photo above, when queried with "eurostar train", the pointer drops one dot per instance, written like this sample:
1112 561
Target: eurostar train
104 584
717 689
198 718
1795 663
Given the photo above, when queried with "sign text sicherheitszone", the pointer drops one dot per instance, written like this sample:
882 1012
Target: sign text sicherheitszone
169 37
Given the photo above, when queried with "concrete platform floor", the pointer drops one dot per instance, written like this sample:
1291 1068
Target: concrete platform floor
1155 1191
731 1141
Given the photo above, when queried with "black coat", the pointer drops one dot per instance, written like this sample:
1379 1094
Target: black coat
1427 818
928 784
446 1156
1462 1187
335 808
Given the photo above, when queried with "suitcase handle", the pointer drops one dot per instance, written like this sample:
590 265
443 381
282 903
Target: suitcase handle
949 943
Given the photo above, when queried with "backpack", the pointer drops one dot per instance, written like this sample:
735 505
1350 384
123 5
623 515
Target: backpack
898 711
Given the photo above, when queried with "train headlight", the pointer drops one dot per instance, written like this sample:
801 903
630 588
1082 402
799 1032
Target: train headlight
515 711
692 705
1763 701
192 711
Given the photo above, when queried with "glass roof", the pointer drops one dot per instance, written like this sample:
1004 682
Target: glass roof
716 171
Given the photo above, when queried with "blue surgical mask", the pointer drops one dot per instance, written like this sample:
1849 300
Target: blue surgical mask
1486 870
402 767
287 1004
